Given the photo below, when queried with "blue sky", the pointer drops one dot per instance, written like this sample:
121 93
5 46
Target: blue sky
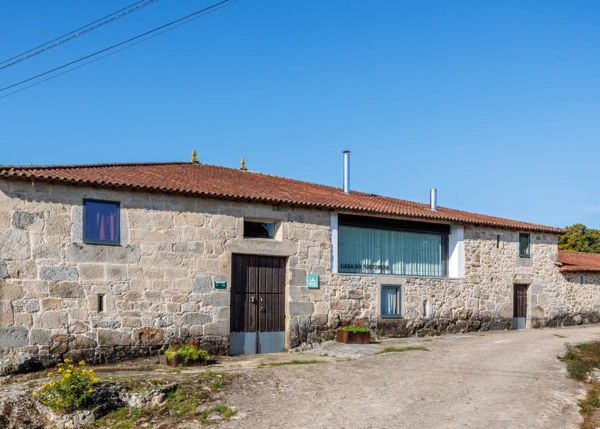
496 104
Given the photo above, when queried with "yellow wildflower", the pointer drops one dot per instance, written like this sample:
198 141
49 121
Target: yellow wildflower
60 370
82 362
34 393
91 391
67 361
49 374
67 375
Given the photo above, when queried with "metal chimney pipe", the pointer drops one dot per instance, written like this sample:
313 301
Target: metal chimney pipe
346 171
433 199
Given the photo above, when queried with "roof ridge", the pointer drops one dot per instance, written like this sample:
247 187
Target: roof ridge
106 164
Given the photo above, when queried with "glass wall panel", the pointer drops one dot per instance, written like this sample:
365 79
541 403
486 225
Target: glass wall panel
381 251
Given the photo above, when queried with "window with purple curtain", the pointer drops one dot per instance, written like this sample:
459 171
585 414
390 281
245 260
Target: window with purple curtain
101 222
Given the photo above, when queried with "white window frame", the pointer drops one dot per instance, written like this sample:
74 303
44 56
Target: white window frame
399 297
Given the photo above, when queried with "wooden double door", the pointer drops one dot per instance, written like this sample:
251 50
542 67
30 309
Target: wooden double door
257 304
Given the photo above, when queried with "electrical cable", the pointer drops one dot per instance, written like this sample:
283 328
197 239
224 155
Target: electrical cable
119 50
114 46
139 7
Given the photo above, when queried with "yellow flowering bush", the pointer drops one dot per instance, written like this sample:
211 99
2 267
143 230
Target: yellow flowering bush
68 390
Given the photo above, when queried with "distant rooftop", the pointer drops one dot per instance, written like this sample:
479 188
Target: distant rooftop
579 262
202 180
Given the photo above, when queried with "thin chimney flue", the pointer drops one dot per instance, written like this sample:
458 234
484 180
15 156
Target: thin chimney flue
433 200
346 171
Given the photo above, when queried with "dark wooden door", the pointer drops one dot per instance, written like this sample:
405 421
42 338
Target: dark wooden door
520 301
258 299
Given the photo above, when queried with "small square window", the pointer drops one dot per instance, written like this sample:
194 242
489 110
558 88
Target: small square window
524 245
254 229
390 301
101 222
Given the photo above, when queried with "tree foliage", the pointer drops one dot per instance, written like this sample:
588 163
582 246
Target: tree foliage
579 238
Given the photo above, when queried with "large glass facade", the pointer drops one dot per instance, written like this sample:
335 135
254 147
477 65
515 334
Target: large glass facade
385 251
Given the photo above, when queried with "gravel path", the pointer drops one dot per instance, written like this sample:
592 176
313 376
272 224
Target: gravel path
497 380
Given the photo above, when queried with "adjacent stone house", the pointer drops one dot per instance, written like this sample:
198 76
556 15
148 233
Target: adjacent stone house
111 261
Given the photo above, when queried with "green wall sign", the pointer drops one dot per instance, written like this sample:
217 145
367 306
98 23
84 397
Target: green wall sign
220 285
312 281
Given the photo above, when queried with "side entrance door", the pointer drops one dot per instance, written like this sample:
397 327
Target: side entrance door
257 304
520 307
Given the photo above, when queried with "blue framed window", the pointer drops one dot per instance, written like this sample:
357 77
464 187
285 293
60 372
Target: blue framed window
524 245
101 222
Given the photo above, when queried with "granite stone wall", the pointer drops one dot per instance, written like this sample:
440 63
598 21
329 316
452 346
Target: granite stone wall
158 284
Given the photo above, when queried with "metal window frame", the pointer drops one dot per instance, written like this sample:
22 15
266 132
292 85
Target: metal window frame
525 255
273 222
117 241
400 304
445 252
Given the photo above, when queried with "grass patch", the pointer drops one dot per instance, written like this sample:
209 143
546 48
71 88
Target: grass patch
294 362
429 340
580 360
223 410
559 336
402 349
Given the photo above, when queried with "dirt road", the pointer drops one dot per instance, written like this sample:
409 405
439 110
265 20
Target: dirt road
496 380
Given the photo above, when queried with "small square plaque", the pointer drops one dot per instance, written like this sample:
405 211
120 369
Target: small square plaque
312 281
220 285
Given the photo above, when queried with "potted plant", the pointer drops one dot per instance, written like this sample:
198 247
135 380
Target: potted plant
353 334
188 354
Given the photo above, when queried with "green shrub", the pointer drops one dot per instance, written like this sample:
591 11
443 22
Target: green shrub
355 329
189 351
70 389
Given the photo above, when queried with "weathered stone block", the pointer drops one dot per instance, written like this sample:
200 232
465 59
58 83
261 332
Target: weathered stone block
148 336
300 308
81 342
202 285
76 252
297 277
111 337
13 336
9 292
216 299
6 313
52 319
28 220
220 328
59 274
190 319
319 319
116 272
22 269
131 322
78 314
27 305
3 270
91 271
40 337
23 319
66 290
14 244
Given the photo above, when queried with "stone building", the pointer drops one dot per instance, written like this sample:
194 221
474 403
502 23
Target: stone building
116 260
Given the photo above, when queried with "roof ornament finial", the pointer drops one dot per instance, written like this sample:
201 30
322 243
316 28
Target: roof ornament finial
194 157
243 165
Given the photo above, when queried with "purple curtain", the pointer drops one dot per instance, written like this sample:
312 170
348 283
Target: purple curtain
101 221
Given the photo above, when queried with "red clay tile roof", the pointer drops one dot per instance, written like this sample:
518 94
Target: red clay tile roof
228 183
577 261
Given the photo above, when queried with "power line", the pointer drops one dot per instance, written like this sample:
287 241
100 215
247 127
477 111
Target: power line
135 9
119 50
114 46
